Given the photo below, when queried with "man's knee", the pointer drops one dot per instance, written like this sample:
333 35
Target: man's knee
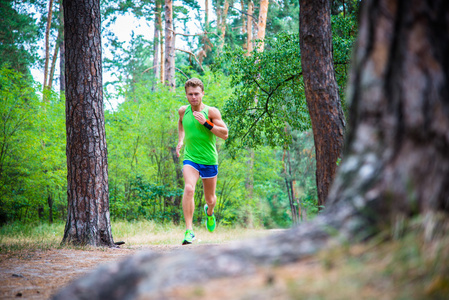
210 199
189 190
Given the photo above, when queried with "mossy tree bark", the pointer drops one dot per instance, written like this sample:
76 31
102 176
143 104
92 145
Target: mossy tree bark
87 166
321 90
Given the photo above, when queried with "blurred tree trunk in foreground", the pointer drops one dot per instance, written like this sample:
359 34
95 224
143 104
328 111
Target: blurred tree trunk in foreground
87 165
396 162
397 157
321 90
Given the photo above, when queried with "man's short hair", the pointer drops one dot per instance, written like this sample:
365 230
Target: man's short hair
194 82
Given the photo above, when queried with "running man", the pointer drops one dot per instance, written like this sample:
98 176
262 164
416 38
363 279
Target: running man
198 127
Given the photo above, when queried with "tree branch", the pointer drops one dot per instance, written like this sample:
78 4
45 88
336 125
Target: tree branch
242 12
182 72
189 52
258 85
266 110
197 34
146 70
254 123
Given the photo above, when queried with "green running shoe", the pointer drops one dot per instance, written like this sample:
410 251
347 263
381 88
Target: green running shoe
189 237
210 220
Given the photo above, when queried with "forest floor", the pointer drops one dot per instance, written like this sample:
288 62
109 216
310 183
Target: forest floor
403 268
37 274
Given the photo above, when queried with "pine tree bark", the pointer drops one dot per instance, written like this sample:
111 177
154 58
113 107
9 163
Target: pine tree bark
321 90
222 24
61 49
262 24
206 16
156 40
161 45
88 220
169 76
397 158
249 28
242 5
47 42
53 62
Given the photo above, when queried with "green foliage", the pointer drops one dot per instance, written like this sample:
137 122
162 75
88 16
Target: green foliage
32 148
18 36
283 16
344 33
260 96
18 106
268 93
129 63
144 174
152 202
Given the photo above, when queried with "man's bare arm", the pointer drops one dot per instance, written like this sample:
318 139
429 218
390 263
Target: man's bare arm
220 129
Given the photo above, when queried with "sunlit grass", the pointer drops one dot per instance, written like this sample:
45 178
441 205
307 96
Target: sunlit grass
143 233
44 236
34 236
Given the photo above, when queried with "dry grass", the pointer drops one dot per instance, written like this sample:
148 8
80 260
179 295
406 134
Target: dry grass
43 236
150 233
40 236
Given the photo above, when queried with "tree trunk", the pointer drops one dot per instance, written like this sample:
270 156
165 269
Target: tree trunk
53 63
50 208
291 189
261 26
242 4
206 15
249 180
397 158
169 78
249 29
156 41
161 45
47 42
222 25
87 166
61 50
179 184
321 90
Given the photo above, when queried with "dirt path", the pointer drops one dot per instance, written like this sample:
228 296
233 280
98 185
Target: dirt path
340 274
39 274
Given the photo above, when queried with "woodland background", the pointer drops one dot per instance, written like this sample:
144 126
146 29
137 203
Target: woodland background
267 166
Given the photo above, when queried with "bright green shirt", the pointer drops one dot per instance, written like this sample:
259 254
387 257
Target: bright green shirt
199 141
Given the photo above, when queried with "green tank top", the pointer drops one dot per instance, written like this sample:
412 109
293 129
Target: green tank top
199 141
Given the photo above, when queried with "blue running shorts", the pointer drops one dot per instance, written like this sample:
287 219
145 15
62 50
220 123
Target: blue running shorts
206 171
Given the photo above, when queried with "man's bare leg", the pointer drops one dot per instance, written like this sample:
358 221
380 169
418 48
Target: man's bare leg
209 185
188 205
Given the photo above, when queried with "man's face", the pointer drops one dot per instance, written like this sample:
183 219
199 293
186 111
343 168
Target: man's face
194 95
